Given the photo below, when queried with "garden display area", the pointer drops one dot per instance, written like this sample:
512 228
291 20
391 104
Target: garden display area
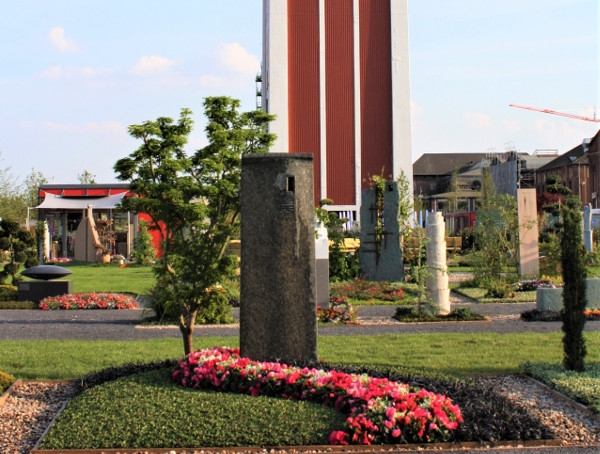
129 398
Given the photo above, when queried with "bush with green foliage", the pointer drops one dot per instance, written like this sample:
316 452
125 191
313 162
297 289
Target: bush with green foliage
5 381
20 245
8 292
143 247
214 306
343 266
574 290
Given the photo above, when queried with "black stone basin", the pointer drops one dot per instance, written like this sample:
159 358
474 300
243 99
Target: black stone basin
46 272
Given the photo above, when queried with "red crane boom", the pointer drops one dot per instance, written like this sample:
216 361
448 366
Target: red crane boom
554 112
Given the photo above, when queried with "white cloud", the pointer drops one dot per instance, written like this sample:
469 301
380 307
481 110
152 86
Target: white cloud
477 120
209 81
71 72
60 41
152 65
511 126
237 59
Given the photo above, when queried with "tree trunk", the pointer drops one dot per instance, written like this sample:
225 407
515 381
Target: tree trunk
186 326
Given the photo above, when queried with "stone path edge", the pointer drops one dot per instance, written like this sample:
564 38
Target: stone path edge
354 449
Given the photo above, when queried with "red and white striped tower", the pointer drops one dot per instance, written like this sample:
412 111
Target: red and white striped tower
336 74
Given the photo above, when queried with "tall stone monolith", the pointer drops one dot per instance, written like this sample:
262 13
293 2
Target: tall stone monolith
380 254
436 283
278 319
529 252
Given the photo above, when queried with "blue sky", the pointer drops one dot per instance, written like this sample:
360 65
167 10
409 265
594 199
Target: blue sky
76 73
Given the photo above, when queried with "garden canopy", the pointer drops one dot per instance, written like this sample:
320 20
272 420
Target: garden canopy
56 202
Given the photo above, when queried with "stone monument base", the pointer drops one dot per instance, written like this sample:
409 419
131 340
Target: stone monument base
38 290
551 299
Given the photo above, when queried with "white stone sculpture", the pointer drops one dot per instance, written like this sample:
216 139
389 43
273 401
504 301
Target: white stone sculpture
438 291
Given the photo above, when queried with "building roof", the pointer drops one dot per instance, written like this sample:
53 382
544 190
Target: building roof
445 163
564 159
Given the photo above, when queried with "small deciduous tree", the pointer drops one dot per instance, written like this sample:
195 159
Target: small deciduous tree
194 202
496 239
574 291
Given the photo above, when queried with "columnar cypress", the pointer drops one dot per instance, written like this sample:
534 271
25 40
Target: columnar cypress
574 277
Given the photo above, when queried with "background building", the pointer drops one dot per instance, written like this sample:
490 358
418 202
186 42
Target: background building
336 74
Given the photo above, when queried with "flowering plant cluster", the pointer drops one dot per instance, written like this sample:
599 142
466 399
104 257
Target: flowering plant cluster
333 314
59 260
533 284
379 410
592 314
88 301
366 290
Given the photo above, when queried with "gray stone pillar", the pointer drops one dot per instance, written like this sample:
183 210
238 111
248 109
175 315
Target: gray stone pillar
278 320
588 234
380 258
436 283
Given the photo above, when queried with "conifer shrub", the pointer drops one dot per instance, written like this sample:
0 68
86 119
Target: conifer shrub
574 290
143 249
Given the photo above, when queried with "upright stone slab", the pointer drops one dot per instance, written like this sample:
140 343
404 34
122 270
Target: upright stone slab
529 255
380 256
436 283
588 234
278 320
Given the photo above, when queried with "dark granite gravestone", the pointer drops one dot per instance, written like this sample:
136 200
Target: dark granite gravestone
380 254
45 285
278 319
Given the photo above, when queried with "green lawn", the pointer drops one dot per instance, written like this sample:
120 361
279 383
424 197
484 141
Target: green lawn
478 294
89 277
452 354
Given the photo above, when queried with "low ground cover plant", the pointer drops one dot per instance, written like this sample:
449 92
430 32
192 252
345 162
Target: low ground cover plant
378 410
5 381
535 315
584 387
359 291
88 301
459 314
148 410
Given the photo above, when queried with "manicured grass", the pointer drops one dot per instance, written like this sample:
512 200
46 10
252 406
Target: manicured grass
583 387
89 277
478 294
149 410
452 354
366 293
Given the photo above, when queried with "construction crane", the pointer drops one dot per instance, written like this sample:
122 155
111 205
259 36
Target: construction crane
562 114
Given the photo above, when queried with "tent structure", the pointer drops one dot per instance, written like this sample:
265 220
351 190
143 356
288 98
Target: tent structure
56 202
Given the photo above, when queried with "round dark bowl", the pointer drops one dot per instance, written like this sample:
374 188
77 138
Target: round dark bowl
46 272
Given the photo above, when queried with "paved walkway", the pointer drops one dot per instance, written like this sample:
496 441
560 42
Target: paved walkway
123 325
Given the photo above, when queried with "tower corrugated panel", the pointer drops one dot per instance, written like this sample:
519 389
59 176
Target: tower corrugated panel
303 85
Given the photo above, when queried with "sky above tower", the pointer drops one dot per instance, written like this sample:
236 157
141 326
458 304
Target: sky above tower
75 74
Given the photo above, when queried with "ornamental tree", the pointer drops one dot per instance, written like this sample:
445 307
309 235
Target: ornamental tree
193 201
574 291
19 246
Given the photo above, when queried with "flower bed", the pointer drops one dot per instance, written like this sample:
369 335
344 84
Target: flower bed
379 410
88 301
58 260
367 290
